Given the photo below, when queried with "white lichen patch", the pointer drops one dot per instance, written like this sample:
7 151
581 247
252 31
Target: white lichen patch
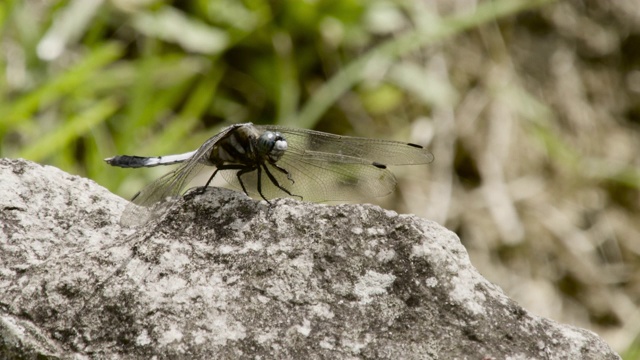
354 345
263 299
207 288
339 251
222 329
10 324
280 290
251 246
305 328
167 285
357 230
576 340
199 337
169 336
322 310
227 249
518 357
422 250
266 337
372 283
465 293
373 231
390 213
326 344
435 254
143 339
385 255
304 264
174 259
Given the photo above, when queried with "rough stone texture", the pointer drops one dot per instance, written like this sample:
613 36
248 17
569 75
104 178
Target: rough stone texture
223 276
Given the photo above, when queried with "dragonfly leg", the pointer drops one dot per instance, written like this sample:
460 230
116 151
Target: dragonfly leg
211 178
275 182
202 189
284 171
244 170
260 184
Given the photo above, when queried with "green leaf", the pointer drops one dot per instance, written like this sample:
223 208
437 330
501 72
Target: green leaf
24 107
72 130
174 26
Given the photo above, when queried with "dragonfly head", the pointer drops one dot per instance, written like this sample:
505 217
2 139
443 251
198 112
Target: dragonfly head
272 144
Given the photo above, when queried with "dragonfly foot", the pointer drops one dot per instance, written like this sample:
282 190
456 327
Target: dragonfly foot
195 192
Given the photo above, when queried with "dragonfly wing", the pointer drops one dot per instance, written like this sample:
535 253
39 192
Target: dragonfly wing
321 177
375 150
155 198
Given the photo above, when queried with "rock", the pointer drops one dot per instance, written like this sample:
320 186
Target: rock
223 276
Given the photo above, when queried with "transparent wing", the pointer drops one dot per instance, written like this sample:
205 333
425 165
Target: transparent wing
154 199
385 152
151 201
319 177
325 167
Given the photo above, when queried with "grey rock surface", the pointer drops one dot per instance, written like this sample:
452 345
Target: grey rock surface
223 276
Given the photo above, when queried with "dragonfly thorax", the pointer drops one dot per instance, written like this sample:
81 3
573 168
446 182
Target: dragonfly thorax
272 144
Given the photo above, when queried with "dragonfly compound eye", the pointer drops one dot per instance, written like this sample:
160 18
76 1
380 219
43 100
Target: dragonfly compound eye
279 147
272 144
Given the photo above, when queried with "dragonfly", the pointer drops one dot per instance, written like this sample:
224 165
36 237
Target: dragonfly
269 161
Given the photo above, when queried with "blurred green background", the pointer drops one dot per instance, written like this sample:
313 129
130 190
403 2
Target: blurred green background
531 108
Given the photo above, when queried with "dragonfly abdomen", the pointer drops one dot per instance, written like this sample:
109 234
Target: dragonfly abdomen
130 161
